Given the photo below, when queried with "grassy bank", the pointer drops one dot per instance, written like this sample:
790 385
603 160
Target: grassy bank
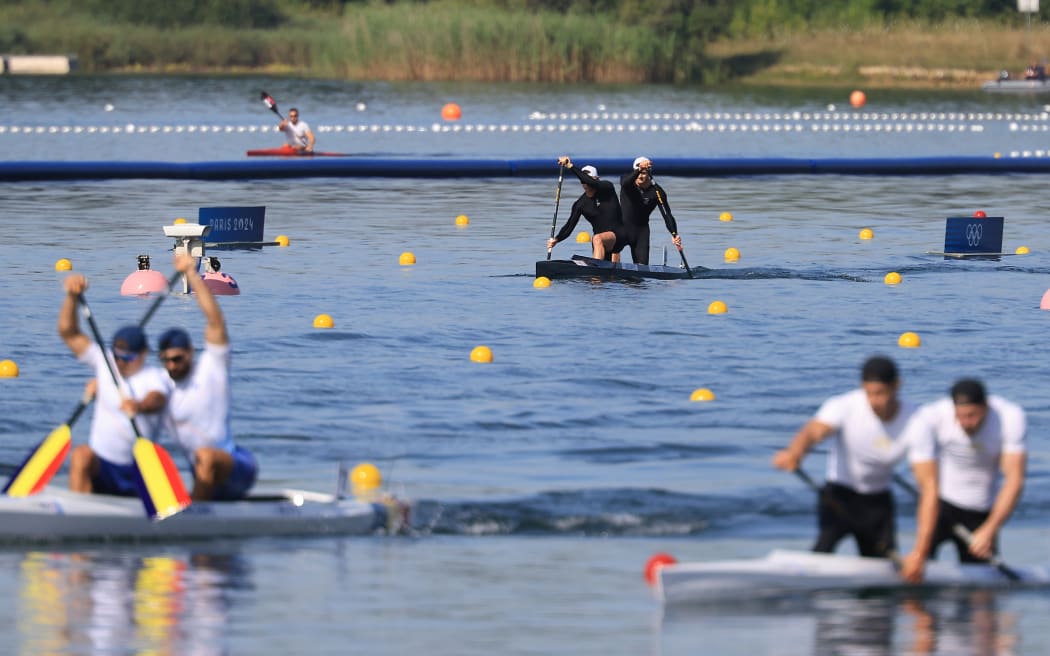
435 41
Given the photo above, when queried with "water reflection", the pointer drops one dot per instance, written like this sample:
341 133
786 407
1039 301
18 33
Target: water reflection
116 603
947 622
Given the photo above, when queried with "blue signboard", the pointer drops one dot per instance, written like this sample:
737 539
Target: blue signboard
233 224
968 234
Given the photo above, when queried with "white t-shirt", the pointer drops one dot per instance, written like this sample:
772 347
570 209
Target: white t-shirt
865 448
295 134
199 405
968 468
112 436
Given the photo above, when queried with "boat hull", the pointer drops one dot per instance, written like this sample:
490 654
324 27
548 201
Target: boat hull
791 572
58 515
1017 86
589 267
291 152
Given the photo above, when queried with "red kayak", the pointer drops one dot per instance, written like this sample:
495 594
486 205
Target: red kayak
288 151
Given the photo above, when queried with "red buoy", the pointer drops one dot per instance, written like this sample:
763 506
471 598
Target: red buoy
654 564
979 214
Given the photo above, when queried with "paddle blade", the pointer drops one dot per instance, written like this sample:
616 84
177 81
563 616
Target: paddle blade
269 102
41 465
160 485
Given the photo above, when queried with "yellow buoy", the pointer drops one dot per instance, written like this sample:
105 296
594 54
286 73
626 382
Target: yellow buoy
365 477
541 282
732 255
462 220
63 265
1022 250
180 220
323 321
997 155
582 237
481 354
866 233
717 307
282 240
892 278
8 369
725 216
407 259
909 340
702 394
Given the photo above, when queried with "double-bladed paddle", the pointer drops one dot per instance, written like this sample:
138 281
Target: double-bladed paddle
557 201
663 211
270 103
963 534
160 486
46 458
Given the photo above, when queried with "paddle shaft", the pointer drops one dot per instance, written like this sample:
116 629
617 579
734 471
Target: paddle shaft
102 345
963 533
557 201
663 212
843 513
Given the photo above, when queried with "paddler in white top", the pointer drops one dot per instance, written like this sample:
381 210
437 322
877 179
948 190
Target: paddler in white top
856 500
199 407
977 438
106 465
297 132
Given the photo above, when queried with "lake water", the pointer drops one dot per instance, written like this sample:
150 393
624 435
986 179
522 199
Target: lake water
546 479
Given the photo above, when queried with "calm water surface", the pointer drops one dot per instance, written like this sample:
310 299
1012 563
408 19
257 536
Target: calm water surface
547 478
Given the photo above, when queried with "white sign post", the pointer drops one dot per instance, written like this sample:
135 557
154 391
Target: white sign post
1028 7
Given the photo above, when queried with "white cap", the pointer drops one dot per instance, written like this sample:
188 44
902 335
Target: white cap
591 171
638 162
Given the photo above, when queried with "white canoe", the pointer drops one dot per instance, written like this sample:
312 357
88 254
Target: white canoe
58 514
784 572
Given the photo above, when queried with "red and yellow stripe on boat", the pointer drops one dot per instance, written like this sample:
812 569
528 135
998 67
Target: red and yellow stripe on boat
160 485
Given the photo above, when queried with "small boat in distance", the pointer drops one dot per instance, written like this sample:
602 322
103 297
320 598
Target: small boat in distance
588 267
1005 84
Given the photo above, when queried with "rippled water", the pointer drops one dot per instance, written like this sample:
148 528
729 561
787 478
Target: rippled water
545 479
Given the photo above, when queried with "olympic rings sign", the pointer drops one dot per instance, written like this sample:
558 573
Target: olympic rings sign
974 233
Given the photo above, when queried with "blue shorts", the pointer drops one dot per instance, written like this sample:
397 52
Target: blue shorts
119 480
241 479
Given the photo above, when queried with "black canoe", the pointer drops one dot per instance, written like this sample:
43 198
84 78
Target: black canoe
589 267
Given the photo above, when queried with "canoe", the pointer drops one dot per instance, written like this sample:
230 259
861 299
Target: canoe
1017 86
588 267
57 514
784 572
285 151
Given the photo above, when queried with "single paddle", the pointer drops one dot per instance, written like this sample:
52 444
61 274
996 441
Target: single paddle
46 458
557 201
663 211
160 486
843 513
270 103
963 533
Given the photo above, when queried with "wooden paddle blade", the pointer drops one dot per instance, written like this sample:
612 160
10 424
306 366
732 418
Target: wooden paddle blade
41 465
160 485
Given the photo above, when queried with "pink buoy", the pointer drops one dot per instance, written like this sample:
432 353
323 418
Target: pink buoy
221 283
1045 303
142 282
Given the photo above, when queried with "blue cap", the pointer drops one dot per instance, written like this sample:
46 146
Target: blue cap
174 338
130 338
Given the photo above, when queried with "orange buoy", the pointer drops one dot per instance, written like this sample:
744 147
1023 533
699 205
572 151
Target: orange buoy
857 99
451 112
653 565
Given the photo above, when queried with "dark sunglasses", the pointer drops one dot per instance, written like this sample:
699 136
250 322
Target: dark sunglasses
125 356
178 358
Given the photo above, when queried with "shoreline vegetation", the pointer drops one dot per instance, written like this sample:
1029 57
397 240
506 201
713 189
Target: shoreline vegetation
544 41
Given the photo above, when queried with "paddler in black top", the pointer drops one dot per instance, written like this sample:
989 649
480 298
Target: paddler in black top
600 206
637 201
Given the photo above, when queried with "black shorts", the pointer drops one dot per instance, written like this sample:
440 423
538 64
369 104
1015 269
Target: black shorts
948 516
869 518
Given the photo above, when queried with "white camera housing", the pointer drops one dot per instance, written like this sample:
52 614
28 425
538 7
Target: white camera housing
186 230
